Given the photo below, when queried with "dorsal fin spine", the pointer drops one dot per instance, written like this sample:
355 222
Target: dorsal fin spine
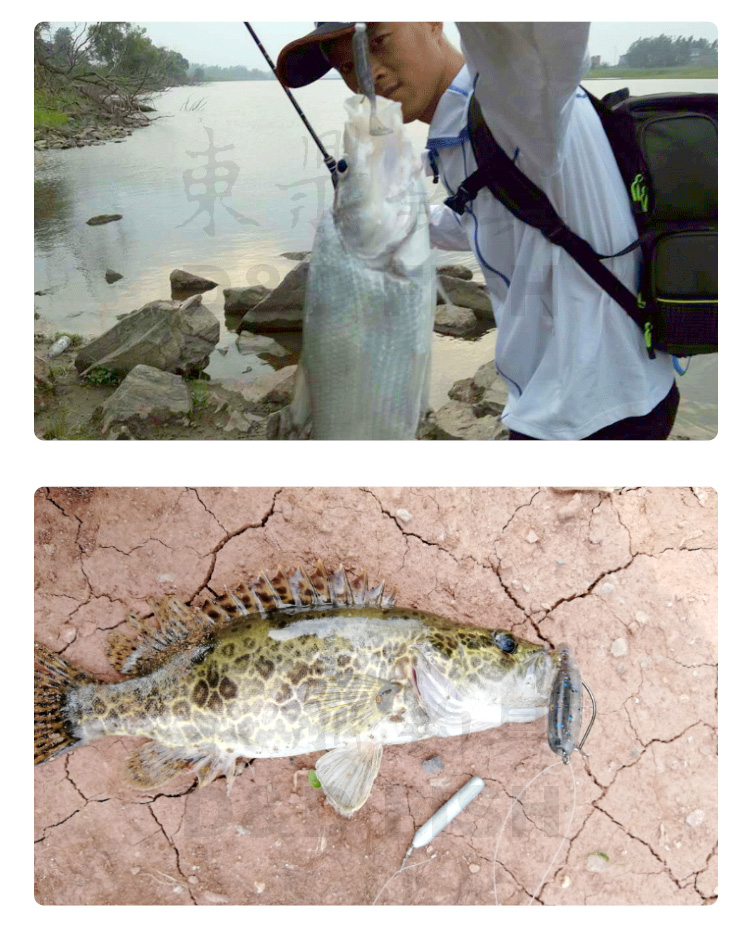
175 623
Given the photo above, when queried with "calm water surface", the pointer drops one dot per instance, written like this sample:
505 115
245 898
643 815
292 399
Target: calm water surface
220 184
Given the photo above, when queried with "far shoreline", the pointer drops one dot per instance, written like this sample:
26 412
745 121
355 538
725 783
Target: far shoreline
675 73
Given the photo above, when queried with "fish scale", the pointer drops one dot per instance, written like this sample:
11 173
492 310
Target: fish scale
257 673
367 344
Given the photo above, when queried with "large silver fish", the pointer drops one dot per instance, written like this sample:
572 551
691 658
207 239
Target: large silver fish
370 301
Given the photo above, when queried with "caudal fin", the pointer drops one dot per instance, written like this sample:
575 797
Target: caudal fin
54 678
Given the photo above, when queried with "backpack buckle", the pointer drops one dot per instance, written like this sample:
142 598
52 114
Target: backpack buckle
458 201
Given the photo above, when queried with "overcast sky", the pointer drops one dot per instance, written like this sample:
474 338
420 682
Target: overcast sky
229 43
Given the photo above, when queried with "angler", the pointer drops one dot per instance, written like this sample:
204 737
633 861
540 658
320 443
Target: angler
576 365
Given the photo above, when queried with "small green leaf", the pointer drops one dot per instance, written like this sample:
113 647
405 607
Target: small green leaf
313 778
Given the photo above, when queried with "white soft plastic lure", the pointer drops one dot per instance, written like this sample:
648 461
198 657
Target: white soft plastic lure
365 82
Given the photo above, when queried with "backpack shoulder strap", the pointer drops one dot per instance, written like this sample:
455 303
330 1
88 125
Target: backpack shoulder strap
501 176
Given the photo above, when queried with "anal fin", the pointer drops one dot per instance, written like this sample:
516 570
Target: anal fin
347 774
152 764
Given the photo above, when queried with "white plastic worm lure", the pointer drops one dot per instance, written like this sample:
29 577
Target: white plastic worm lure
363 70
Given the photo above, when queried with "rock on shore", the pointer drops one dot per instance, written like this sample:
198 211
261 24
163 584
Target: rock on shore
146 398
474 409
177 337
80 136
281 310
184 284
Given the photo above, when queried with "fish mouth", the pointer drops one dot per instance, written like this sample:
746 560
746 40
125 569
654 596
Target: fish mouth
539 671
388 94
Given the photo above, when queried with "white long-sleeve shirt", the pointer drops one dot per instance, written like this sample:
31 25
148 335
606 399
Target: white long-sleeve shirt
574 361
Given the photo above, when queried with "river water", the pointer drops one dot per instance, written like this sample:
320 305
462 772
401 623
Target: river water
223 181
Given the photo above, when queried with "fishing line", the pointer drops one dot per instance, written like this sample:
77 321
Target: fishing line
444 815
402 868
562 840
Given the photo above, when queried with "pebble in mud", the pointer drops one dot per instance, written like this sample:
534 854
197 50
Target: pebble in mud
403 515
695 818
619 647
433 765
571 509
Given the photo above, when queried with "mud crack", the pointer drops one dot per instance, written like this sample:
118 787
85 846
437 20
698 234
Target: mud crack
174 848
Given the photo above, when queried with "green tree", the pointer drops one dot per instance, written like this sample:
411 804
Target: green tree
107 41
669 51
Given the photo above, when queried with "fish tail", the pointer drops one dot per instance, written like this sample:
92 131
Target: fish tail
54 679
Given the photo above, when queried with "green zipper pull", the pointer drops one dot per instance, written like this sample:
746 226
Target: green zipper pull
647 332
639 192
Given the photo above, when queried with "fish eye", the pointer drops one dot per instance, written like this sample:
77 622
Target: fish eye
342 166
505 642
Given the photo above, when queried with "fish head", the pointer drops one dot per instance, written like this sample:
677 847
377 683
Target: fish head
473 678
379 194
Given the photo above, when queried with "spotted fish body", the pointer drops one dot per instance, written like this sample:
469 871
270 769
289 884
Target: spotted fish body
285 666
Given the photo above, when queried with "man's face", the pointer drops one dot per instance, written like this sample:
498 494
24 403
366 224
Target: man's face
408 65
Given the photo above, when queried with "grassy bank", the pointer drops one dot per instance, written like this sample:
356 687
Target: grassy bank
683 73
52 110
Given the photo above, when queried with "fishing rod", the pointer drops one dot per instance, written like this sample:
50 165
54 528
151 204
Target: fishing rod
329 161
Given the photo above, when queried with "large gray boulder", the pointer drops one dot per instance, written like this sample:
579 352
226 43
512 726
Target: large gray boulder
282 309
185 284
177 337
268 391
454 319
460 422
475 408
238 299
467 293
146 398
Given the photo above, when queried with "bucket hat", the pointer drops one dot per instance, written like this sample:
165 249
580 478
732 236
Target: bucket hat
302 62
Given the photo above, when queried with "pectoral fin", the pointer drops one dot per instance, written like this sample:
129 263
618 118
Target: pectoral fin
347 775
351 704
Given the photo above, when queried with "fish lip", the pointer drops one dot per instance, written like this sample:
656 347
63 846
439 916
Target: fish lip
541 667
388 94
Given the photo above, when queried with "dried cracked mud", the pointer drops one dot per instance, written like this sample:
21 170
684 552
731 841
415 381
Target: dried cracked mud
629 579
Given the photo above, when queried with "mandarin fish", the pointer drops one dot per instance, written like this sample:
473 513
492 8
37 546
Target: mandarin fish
286 665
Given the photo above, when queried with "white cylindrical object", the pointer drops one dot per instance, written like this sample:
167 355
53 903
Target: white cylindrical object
449 811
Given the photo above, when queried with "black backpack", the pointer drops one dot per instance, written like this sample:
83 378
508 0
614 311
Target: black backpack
666 147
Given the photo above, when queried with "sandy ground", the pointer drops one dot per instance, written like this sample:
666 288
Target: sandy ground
628 579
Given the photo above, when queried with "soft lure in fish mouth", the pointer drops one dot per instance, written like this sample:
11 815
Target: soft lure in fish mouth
566 707
363 70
